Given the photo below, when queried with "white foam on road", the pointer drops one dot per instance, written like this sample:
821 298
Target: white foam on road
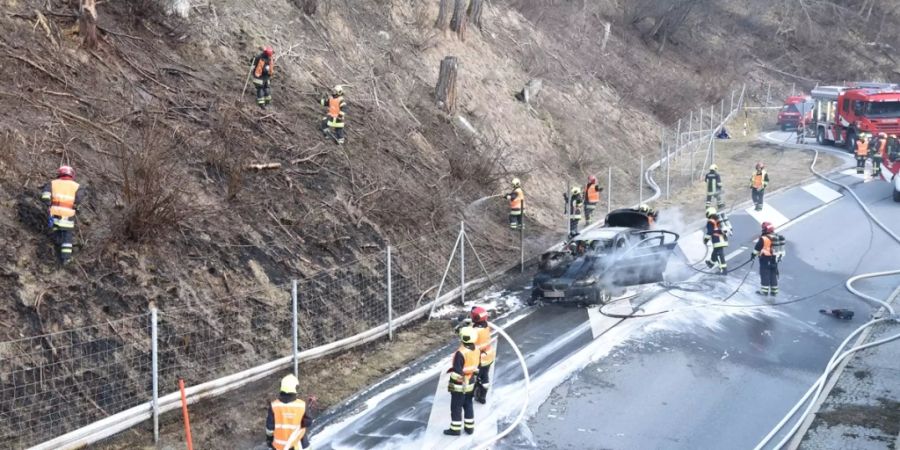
768 214
822 192
692 247
864 177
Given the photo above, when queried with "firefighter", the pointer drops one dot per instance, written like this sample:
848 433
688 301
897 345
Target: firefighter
263 67
878 153
592 198
516 200
286 415
716 234
713 185
862 152
334 119
893 147
574 204
770 249
758 183
801 131
63 196
651 213
483 344
461 387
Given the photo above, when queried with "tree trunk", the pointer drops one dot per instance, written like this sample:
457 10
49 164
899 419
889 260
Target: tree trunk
441 21
445 92
87 23
458 23
310 7
475 9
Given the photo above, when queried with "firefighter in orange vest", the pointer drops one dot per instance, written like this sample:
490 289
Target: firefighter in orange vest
334 118
770 249
263 68
716 234
484 345
592 198
758 183
289 419
862 153
878 153
63 196
465 363
516 205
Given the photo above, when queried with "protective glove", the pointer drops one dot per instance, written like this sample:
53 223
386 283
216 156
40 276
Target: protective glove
779 258
752 256
705 240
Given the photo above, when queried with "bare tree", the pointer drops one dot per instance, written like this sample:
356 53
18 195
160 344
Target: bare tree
665 18
458 22
441 21
475 10
87 22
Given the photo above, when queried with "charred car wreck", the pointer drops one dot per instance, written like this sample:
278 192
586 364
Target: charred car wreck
597 262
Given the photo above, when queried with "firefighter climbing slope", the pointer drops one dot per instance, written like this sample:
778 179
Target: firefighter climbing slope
516 200
465 363
758 183
288 418
770 249
713 186
63 195
334 119
716 235
574 204
263 67
862 153
592 198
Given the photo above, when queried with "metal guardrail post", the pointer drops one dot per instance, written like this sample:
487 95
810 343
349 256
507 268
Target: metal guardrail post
668 166
609 191
722 110
462 262
390 300
768 93
521 243
641 188
154 367
295 323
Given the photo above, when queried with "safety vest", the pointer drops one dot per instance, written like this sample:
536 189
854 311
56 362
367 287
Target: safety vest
260 69
62 198
483 344
758 180
334 107
288 418
717 237
463 383
593 194
515 204
862 148
766 247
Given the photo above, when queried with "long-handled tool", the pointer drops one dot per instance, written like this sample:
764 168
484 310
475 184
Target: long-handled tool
246 82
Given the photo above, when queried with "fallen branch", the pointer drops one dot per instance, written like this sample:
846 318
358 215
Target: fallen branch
266 166
35 65
308 158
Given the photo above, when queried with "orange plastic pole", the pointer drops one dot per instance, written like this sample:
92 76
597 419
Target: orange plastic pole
187 418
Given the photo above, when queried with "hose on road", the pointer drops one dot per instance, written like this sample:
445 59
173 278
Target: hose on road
515 423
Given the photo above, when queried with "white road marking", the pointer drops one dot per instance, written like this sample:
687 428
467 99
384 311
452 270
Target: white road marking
601 323
768 214
692 246
734 253
822 192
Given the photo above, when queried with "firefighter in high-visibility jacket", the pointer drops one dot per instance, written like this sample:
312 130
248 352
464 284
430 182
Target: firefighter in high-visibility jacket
770 250
63 196
466 360
758 183
893 147
862 153
288 418
516 200
591 198
485 346
715 234
878 153
263 67
574 203
334 119
713 186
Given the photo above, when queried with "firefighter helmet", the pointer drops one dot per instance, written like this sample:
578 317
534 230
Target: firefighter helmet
468 335
479 314
65 171
267 50
767 227
710 212
289 384
644 207
760 165
882 134
338 90
576 190
592 179
713 167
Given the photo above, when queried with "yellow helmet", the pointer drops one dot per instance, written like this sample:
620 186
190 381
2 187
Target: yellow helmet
576 190
289 384
468 335
710 212
338 90
516 182
713 167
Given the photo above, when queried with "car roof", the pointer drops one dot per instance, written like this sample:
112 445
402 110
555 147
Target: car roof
602 233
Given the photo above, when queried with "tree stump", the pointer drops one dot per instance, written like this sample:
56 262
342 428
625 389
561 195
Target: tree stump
445 91
310 7
475 9
441 21
87 23
458 22
530 91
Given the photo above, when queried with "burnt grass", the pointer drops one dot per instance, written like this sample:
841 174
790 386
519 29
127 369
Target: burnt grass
885 416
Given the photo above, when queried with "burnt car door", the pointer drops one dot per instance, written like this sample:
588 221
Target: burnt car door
644 257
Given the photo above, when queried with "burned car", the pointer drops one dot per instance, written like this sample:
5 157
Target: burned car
596 262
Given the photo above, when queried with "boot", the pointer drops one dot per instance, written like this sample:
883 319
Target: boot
450 432
480 394
762 292
709 264
470 430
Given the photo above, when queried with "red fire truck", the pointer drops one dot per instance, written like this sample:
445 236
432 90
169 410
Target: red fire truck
841 113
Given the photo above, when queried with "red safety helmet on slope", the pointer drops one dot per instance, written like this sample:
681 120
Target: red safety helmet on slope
479 314
592 179
767 227
65 171
267 50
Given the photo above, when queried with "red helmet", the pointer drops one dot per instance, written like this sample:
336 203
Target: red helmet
268 51
65 171
479 314
592 179
760 165
767 227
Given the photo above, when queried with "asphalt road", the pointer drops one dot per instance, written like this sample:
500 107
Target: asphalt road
708 374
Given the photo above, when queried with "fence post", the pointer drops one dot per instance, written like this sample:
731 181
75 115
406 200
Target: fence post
792 88
390 300
609 191
668 165
462 262
731 108
678 136
522 242
768 91
154 367
722 111
294 325
641 189
690 136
